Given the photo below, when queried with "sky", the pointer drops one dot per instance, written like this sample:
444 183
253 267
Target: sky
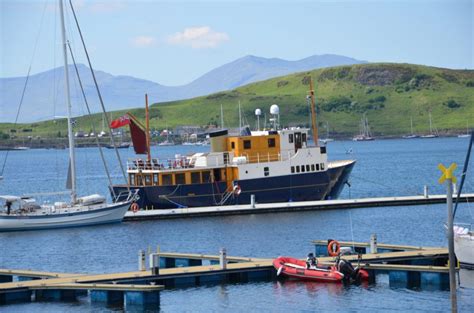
175 42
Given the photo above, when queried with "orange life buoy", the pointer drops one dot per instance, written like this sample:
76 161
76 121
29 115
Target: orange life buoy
135 207
333 248
237 190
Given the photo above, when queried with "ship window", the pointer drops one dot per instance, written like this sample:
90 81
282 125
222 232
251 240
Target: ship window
195 177
155 179
323 150
307 168
322 166
139 180
232 145
166 180
147 179
132 179
271 142
180 179
206 177
290 138
247 144
266 171
302 168
312 167
317 167
303 137
297 168
292 169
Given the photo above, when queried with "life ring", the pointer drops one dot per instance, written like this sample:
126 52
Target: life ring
237 190
334 244
135 207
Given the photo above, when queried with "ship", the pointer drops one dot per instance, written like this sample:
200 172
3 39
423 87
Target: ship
263 166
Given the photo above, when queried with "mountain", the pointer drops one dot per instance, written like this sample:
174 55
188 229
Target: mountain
389 94
46 90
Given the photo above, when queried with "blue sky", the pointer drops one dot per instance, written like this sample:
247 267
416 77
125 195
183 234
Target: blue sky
175 42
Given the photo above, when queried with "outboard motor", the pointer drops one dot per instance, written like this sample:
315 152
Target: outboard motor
346 268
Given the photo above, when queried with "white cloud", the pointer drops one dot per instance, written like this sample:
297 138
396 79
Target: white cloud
143 41
198 37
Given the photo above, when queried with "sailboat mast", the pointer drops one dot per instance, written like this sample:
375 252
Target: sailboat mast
72 158
411 124
431 127
222 118
240 119
147 129
313 114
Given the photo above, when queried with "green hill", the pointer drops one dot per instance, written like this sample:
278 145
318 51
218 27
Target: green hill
389 93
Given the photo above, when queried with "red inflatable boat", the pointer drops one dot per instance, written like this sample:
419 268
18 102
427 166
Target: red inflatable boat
295 268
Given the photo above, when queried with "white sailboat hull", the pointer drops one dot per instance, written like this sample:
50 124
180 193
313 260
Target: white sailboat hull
98 215
464 250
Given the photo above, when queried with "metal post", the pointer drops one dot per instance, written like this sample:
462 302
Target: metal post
223 258
252 201
452 258
141 260
425 191
373 243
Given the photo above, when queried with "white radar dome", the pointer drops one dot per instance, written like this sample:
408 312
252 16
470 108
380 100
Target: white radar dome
274 109
258 112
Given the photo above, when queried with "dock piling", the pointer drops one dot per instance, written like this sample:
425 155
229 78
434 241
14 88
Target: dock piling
223 258
373 243
155 263
252 201
425 191
141 260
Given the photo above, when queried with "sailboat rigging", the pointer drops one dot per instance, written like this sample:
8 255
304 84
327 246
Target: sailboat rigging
23 213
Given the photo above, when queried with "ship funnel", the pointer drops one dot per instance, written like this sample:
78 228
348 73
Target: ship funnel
218 140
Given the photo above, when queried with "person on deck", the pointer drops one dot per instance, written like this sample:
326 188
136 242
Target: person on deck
9 206
311 261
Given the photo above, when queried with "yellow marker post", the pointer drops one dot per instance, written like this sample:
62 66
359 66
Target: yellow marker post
448 177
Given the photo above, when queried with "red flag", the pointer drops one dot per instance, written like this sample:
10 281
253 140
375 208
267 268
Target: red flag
120 122
138 138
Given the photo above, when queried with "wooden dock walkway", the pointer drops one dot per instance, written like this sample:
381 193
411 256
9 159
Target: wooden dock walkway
406 266
291 207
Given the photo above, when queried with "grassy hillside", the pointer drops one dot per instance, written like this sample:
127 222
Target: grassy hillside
389 93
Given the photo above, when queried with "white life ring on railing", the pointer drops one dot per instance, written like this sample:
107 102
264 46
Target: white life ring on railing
237 190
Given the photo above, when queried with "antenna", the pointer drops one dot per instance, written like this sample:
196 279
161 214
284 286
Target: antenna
240 118
258 112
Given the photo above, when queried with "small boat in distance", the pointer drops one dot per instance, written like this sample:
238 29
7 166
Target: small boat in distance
364 134
433 131
467 134
122 145
327 139
412 135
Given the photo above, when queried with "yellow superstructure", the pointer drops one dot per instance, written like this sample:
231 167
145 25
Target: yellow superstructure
265 148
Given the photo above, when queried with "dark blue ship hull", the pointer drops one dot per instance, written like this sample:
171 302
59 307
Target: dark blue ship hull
289 188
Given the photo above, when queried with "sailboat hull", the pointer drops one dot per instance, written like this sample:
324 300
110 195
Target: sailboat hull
464 249
111 214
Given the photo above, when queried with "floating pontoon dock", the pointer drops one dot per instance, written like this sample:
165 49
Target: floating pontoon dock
405 266
150 213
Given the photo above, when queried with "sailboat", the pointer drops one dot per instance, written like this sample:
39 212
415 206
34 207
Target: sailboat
364 134
412 135
466 135
433 132
327 139
23 213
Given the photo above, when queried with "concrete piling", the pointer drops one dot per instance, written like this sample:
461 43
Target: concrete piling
223 258
373 243
141 260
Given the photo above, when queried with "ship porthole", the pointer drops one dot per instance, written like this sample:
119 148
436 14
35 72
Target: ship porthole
246 172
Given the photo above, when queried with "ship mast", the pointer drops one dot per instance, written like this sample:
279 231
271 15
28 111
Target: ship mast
313 114
72 159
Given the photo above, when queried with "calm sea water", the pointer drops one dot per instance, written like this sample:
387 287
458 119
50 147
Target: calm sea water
384 168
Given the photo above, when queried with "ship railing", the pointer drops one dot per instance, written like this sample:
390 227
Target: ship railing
157 164
267 157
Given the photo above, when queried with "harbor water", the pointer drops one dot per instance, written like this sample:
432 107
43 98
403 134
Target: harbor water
383 168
